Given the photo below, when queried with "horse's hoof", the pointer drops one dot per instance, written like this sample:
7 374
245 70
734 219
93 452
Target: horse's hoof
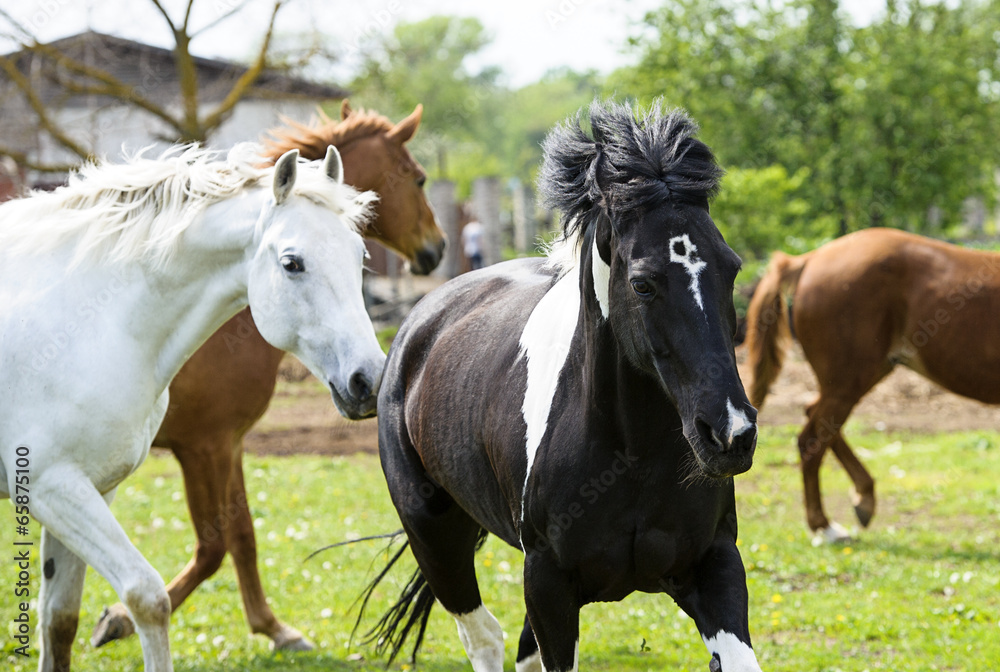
290 639
114 623
831 534
864 508
715 665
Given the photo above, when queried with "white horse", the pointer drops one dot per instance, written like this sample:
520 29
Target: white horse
106 286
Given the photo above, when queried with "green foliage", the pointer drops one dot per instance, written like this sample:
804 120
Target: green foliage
472 126
891 124
918 591
427 62
890 119
531 112
762 209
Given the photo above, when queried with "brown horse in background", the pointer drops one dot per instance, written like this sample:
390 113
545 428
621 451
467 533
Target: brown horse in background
226 386
861 305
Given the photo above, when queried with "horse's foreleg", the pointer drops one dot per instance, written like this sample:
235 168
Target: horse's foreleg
206 465
242 545
444 540
553 612
66 503
864 484
528 658
811 451
58 602
717 601
822 431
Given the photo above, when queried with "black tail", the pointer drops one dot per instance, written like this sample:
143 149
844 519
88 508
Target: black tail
412 609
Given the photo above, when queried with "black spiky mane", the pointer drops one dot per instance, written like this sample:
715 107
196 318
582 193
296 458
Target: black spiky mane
629 160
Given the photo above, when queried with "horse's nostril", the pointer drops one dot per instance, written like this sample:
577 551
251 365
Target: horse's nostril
709 435
360 386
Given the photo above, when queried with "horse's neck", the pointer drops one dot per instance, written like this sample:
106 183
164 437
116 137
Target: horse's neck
202 286
613 388
361 169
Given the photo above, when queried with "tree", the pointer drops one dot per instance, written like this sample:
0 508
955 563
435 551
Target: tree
529 113
427 62
889 120
76 77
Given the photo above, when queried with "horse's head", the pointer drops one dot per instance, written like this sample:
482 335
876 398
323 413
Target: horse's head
662 273
376 158
671 304
404 220
305 280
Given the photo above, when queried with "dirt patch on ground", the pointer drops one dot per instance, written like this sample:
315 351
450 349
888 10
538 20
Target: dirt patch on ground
302 418
903 401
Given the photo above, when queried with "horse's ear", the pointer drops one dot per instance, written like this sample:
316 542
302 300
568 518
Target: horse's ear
602 237
333 166
285 171
404 130
345 109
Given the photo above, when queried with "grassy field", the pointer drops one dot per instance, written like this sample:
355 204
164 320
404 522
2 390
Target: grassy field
920 590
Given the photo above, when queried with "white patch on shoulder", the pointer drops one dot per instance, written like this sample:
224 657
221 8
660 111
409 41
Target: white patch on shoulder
545 344
532 663
734 655
602 281
482 638
688 258
738 422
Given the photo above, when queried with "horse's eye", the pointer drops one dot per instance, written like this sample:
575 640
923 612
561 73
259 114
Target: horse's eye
292 263
421 181
642 288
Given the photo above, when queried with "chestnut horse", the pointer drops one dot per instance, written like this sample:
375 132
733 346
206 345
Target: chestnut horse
861 305
227 384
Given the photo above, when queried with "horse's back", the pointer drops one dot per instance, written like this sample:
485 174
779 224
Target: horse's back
882 296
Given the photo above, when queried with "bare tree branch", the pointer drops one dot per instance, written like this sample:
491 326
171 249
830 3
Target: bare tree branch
170 22
187 16
247 79
76 77
44 120
219 19
187 78
26 35
114 86
25 161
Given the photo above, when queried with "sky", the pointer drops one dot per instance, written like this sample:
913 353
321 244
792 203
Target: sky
530 37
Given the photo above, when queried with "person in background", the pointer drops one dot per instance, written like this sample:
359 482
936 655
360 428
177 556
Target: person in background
472 242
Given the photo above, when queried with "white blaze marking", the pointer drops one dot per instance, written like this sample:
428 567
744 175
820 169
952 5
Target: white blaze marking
532 663
545 344
482 638
691 263
602 281
734 655
738 422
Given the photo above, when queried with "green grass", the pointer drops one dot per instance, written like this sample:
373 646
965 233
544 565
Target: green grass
920 590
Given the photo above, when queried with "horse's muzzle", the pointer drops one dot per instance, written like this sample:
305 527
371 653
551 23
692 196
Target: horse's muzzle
359 400
722 456
427 258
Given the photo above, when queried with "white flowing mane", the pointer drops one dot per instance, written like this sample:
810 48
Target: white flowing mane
137 210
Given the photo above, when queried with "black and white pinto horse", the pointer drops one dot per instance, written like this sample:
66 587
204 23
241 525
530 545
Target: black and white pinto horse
587 410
